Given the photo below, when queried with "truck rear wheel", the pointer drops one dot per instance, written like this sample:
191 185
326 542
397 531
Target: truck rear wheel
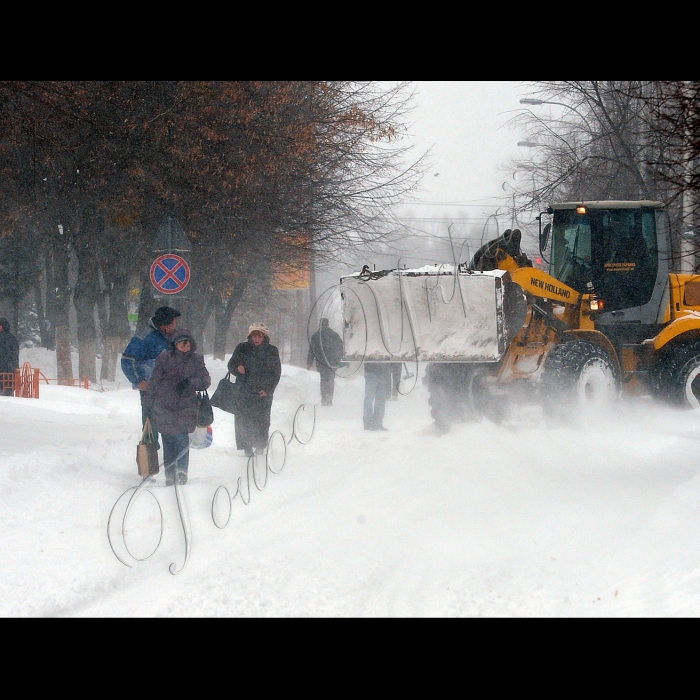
578 375
676 378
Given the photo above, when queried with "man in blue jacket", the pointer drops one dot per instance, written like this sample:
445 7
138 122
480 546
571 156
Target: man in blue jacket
139 357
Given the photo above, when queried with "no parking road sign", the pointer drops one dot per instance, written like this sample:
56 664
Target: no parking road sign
170 274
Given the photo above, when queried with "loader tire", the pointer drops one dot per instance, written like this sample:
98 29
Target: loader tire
453 394
578 376
676 378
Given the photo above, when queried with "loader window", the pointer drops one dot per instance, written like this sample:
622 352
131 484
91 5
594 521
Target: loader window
627 249
613 249
571 249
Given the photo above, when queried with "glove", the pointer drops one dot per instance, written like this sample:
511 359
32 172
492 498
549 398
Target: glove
181 386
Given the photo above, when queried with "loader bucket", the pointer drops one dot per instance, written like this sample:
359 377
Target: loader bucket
432 314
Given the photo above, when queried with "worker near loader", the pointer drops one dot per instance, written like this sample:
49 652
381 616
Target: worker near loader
377 390
395 380
326 348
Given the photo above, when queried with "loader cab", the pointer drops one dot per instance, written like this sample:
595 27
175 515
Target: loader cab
617 249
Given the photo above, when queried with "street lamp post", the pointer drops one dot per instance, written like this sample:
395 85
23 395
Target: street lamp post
535 101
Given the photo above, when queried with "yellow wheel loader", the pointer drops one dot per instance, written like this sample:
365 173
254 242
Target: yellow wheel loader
609 316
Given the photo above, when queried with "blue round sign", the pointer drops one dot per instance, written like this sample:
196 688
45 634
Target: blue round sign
170 274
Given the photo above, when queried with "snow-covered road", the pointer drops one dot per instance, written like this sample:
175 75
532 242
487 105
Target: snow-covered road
521 519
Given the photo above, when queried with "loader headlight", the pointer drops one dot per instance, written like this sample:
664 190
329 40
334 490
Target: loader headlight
596 304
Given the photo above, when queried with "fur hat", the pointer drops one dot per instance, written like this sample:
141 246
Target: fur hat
258 327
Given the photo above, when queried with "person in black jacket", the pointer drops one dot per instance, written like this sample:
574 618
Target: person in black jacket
326 347
257 367
9 356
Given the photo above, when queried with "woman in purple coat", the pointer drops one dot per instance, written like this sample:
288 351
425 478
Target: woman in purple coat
171 401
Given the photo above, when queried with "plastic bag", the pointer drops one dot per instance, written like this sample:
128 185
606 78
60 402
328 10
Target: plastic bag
201 437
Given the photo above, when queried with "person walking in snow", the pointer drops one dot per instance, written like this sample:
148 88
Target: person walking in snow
377 389
395 380
326 347
170 400
257 367
9 356
139 357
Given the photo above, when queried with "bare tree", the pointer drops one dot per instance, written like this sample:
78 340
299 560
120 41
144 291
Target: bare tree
590 140
259 173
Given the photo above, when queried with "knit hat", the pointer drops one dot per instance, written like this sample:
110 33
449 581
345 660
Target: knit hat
165 315
182 334
258 327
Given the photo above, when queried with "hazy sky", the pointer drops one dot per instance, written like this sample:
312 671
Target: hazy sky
464 123
465 126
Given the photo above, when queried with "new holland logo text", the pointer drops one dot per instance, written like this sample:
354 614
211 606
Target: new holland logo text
547 287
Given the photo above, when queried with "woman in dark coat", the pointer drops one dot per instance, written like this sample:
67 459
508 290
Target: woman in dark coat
256 365
171 401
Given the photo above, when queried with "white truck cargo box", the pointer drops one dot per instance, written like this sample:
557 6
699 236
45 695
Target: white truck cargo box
429 315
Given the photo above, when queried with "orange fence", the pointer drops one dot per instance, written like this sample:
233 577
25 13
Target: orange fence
24 382
7 383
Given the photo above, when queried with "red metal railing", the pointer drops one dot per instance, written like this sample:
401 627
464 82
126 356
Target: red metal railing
7 383
84 382
24 382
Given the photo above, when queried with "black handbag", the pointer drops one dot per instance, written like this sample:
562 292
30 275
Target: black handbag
226 395
205 413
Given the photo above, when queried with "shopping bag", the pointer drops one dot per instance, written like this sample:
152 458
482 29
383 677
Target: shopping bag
226 395
205 413
147 452
201 437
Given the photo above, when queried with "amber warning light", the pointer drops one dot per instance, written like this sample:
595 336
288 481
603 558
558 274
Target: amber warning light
580 210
